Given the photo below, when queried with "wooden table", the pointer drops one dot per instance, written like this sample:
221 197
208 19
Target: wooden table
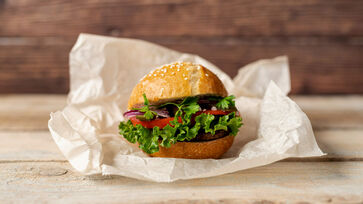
33 170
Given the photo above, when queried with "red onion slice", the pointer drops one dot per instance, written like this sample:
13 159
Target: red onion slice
131 113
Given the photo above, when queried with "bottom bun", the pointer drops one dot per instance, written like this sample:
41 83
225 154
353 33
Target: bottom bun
213 149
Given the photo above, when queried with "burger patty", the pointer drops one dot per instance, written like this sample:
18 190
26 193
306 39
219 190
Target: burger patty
202 136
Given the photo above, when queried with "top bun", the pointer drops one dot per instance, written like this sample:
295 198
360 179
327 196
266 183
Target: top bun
176 81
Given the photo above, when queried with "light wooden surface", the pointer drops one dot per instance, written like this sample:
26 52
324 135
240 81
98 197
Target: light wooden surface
32 170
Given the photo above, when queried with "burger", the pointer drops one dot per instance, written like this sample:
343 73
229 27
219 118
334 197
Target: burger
181 110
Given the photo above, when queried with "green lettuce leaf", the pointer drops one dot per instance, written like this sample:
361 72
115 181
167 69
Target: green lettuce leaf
226 103
205 121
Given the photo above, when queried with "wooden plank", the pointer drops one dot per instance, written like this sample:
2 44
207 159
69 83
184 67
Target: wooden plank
37 145
333 71
344 144
182 18
282 182
340 145
332 112
34 68
23 126
32 65
28 146
31 112
230 34
28 112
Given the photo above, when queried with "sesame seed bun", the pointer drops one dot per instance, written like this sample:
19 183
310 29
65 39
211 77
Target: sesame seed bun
176 81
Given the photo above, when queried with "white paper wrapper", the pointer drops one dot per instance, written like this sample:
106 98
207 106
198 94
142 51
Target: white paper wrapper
103 71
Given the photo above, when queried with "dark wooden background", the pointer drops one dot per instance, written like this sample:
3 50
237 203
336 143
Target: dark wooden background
323 39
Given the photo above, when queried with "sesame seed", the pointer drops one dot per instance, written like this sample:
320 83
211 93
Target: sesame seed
185 78
178 69
164 70
162 75
173 73
183 75
154 74
206 74
198 67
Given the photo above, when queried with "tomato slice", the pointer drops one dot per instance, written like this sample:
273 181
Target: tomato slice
161 123
213 112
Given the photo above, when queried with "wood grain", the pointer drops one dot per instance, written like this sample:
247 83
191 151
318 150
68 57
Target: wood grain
282 182
33 65
28 112
182 18
32 170
23 126
332 112
28 146
34 68
31 112
316 66
340 145
323 39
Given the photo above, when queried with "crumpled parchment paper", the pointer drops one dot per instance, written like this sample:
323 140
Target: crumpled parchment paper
103 71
